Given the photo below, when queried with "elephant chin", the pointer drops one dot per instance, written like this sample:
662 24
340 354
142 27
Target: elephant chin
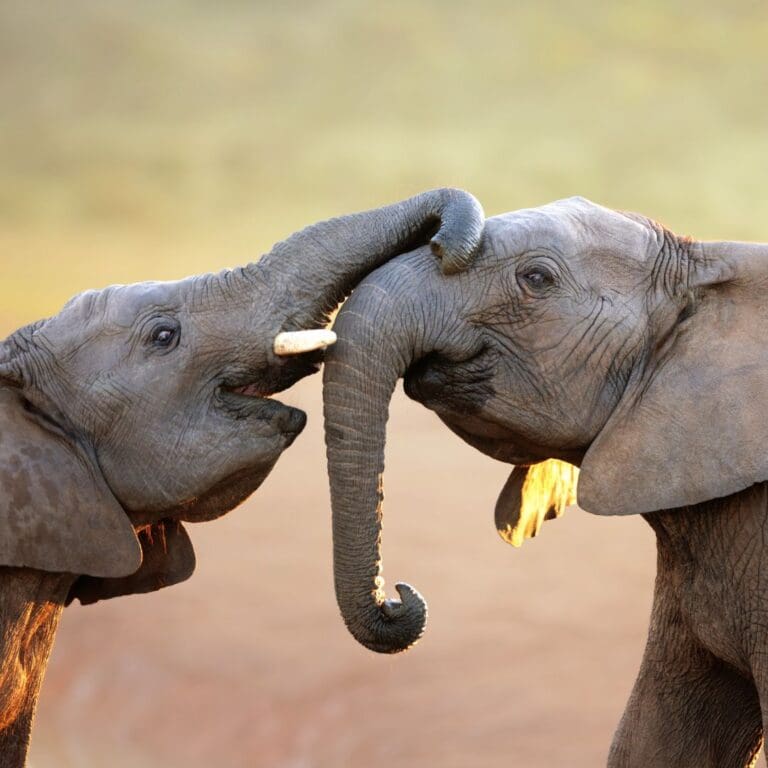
221 498
225 495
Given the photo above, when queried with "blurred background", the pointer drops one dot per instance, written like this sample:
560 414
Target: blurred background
153 140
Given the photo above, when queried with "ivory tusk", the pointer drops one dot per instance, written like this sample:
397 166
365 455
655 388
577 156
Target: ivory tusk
298 342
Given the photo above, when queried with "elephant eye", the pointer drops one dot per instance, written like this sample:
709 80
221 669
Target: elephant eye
536 279
164 336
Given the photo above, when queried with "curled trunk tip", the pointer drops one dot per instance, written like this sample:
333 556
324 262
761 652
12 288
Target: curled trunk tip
460 233
392 626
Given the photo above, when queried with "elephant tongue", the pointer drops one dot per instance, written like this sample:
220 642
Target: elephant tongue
250 390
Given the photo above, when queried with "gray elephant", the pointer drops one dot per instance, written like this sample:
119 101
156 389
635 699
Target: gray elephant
142 406
601 339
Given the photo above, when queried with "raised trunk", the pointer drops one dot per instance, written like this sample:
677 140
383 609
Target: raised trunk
377 342
309 274
30 607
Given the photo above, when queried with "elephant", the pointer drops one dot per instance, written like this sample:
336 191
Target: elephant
602 340
140 407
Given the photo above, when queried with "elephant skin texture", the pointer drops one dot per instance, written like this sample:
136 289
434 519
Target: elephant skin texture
603 340
140 407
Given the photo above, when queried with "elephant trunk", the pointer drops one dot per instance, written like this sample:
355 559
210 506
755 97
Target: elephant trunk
309 274
375 347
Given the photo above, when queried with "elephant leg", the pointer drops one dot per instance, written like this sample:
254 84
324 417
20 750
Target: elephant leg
688 708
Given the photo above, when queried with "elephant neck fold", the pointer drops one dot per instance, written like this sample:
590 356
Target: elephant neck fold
31 602
688 536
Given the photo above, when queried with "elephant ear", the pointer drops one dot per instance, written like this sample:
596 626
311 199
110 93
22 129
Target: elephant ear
56 511
168 558
531 495
696 428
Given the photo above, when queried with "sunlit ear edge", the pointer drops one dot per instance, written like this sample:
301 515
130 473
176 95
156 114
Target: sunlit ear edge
549 487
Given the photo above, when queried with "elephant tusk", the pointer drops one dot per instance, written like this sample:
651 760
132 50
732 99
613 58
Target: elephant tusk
298 342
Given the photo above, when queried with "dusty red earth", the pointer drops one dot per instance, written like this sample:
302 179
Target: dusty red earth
527 660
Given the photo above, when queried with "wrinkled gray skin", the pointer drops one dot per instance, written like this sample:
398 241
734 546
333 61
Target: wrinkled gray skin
140 406
600 338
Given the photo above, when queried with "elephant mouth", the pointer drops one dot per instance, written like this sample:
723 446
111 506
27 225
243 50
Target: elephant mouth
250 394
250 402
266 381
458 387
235 397
254 401
248 390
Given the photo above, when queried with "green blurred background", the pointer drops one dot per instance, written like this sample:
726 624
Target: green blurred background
149 139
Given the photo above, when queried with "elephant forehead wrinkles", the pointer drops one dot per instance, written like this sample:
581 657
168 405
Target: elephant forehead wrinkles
123 304
516 233
572 228
120 305
108 311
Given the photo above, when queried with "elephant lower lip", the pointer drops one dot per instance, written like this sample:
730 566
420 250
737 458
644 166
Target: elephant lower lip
250 402
294 425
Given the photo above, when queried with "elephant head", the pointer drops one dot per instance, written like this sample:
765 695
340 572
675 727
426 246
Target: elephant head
140 406
581 334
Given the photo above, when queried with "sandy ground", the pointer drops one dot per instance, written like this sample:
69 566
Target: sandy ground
527 661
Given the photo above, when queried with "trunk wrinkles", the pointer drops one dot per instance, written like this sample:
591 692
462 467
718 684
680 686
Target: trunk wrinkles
314 269
361 372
